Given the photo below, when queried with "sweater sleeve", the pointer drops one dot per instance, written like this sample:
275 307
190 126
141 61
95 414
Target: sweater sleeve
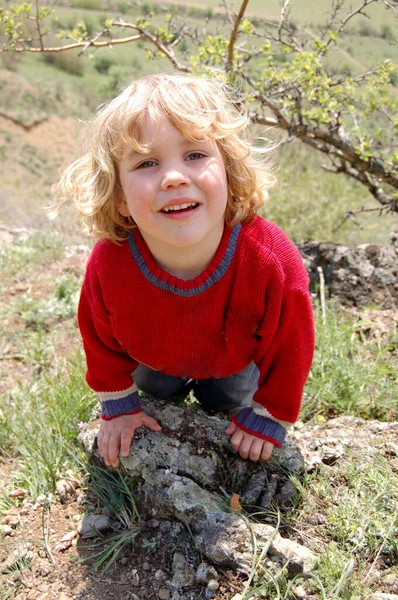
109 366
284 357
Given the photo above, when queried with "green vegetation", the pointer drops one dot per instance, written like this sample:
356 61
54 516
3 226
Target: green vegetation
44 399
354 372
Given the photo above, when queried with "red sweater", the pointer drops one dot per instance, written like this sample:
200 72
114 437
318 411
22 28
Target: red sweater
250 304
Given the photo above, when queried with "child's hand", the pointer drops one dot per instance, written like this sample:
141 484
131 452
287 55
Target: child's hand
249 446
117 434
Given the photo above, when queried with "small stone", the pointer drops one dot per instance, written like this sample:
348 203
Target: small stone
205 572
159 575
164 594
153 523
135 578
133 596
65 490
381 596
63 596
146 566
390 579
43 587
176 595
213 585
316 519
299 591
209 594
7 530
124 560
92 524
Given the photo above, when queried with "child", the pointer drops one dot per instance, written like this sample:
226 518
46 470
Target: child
187 286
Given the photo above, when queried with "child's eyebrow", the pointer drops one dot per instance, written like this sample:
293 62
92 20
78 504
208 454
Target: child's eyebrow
131 153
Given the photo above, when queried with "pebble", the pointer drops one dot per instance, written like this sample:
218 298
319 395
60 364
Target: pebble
135 578
390 579
213 585
146 566
63 596
159 575
124 560
299 591
43 587
381 596
7 530
164 594
205 572
93 523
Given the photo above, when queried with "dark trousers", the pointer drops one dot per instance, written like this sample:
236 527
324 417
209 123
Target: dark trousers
218 395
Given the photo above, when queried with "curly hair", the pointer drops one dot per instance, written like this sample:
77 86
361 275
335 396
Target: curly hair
198 107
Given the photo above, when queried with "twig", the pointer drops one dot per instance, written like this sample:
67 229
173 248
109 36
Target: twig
322 293
234 35
45 527
38 25
393 521
283 18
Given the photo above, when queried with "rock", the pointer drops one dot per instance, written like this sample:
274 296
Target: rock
177 475
382 596
184 575
357 275
7 530
65 490
164 594
213 585
159 575
390 579
93 524
205 573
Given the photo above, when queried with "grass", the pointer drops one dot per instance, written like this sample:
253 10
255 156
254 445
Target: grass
353 373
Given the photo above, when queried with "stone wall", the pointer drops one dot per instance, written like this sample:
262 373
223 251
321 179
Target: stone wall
356 275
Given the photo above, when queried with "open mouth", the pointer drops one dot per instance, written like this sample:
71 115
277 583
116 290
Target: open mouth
180 208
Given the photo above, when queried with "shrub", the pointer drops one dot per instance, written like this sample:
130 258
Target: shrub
103 62
387 32
65 61
87 4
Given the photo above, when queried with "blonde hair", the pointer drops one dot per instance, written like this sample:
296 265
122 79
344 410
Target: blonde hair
197 107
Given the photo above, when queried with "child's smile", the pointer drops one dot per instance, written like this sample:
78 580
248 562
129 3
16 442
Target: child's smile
177 192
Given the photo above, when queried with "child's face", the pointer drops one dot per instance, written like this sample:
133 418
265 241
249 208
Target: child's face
176 194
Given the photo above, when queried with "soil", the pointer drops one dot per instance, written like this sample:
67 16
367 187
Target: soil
144 569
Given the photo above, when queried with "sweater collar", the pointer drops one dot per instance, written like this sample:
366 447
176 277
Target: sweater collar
163 280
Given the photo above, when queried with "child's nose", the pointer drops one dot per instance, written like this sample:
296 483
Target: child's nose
174 178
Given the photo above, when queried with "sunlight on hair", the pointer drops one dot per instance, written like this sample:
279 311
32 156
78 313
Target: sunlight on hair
200 108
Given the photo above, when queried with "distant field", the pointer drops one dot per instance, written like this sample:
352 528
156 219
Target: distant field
307 202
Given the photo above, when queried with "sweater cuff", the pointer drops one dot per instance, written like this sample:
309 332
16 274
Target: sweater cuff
262 427
127 405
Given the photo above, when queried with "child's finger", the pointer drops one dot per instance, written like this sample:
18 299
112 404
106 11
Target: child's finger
236 439
125 442
267 450
231 428
151 423
256 449
113 449
103 446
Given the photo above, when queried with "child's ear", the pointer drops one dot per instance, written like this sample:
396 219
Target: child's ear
123 208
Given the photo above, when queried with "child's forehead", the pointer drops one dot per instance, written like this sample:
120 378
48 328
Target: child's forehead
151 130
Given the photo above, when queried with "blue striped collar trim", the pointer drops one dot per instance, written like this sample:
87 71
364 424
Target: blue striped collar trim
177 286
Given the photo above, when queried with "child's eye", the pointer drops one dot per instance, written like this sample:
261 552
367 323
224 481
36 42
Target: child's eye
146 164
195 155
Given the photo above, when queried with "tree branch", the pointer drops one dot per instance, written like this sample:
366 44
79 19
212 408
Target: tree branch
234 34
